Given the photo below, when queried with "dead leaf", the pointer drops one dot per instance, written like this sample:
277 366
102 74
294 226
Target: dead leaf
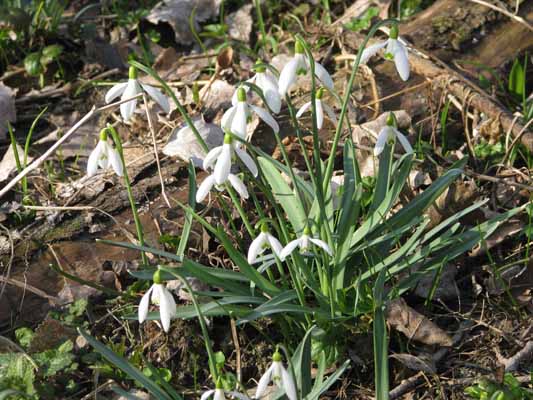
50 334
217 96
8 164
240 23
446 287
7 108
225 58
422 363
505 231
415 325
183 143
177 13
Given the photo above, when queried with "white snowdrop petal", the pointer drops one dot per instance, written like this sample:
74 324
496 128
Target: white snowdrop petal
93 161
303 109
207 394
403 141
238 125
256 247
219 395
265 116
211 157
371 50
401 60
270 89
238 186
289 248
227 118
263 382
275 245
247 160
205 188
127 109
115 91
288 76
288 384
144 304
165 307
383 136
319 114
158 97
115 161
324 76
323 245
223 165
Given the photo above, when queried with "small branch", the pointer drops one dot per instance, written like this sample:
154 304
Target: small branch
511 364
517 18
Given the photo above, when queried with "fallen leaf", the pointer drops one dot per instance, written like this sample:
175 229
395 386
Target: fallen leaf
8 164
240 23
7 108
177 13
422 363
225 58
50 334
217 96
415 325
505 231
446 288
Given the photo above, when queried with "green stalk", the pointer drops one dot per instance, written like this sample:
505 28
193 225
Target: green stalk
16 154
27 144
240 210
138 225
329 168
261 23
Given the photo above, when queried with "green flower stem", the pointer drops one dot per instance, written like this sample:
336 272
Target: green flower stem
138 225
16 155
240 210
329 168
261 23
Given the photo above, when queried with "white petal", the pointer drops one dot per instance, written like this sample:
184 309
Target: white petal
263 382
322 244
207 394
265 116
159 97
303 109
329 111
238 125
256 247
166 306
247 160
211 157
238 186
219 395
115 91
269 86
144 304
275 245
319 114
403 141
371 50
227 118
324 76
94 157
223 164
127 109
401 60
383 136
288 76
288 384
205 188
115 161
289 248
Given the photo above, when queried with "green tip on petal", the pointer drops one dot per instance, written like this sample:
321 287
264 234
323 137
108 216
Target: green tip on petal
103 135
259 67
132 74
319 93
264 227
276 356
307 231
241 94
393 34
157 277
227 138
219 384
298 47
391 119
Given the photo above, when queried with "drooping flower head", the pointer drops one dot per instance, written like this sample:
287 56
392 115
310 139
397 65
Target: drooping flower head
320 108
130 89
395 51
300 64
388 134
104 156
159 295
263 241
235 119
304 243
278 375
220 394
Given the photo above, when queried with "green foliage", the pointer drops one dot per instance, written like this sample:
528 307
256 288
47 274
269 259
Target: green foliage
517 80
364 21
489 152
410 7
509 389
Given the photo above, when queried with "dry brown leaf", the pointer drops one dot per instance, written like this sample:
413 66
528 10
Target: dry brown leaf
240 23
415 325
225 58
505 231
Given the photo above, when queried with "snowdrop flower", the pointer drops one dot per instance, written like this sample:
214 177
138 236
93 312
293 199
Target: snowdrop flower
303 243
388 133
219 394
210 181
320 108
132 88
104 156
261 243
396 51
277 374
222 157
159 295
268 84
300 65
235 119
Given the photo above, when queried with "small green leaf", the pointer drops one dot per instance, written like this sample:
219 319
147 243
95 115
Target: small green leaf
32 64
24 336
50 53
517 79
364 21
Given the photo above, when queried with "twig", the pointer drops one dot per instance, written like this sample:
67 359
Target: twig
237 348
511 364
30 288
517 18
152 131
94 111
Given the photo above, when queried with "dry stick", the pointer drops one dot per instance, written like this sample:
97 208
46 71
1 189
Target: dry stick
237 348
152 131
94 111
511 364
25 286
517 18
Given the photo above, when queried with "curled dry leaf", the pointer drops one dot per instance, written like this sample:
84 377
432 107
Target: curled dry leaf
7 108
415 325
177 13
422 363
225 58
